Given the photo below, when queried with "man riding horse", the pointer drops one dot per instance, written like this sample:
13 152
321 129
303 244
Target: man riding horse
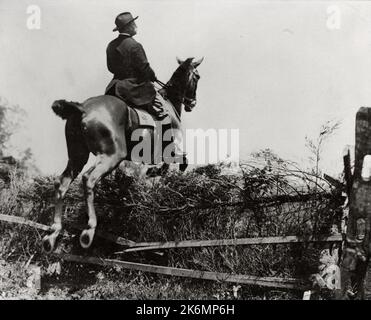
104 125
133 77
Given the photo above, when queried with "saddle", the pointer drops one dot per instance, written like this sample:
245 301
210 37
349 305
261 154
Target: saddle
171 121
147 120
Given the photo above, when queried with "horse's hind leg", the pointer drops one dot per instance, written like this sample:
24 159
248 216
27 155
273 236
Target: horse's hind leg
104 165
61 186
78 154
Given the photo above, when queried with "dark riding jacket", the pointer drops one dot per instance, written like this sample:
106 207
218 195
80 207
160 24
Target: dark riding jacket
132 74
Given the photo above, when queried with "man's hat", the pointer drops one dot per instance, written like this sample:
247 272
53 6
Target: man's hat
123 19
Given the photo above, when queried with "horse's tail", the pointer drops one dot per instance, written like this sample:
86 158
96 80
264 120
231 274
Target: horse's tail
65 109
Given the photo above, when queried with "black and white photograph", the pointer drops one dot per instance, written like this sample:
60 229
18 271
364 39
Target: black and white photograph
201 151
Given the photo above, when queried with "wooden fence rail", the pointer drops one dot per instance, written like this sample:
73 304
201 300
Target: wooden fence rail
20 220
105 235
274 282
144 246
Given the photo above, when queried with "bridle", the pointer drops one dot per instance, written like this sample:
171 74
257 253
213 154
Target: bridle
186 101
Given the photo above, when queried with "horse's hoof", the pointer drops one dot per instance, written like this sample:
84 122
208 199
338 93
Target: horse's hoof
48 244
86 238
152 172
184 164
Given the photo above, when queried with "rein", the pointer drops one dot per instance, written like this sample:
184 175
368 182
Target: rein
164 86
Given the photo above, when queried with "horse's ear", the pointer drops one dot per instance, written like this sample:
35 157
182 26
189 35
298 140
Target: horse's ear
179 60
197 63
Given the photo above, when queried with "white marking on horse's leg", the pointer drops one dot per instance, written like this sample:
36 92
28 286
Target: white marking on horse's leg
104 165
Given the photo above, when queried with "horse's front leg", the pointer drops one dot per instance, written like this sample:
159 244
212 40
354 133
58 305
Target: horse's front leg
180 155
183 163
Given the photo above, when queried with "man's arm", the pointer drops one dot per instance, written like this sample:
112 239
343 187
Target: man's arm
141 64
109 63
112 61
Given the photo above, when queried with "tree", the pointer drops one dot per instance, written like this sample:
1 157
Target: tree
12 118
315 146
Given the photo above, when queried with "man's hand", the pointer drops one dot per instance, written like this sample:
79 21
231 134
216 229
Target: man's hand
157 103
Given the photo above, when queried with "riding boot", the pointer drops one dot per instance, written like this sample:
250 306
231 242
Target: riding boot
178 156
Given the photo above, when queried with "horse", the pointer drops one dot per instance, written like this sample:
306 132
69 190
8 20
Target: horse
103 125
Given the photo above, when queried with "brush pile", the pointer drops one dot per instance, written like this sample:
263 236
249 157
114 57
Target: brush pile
263 197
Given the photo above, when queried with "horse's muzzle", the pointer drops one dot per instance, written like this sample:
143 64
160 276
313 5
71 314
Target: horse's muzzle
190 105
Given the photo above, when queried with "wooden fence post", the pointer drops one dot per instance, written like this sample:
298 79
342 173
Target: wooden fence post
355 274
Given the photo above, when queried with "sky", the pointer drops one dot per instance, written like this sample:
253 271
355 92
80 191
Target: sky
275 70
